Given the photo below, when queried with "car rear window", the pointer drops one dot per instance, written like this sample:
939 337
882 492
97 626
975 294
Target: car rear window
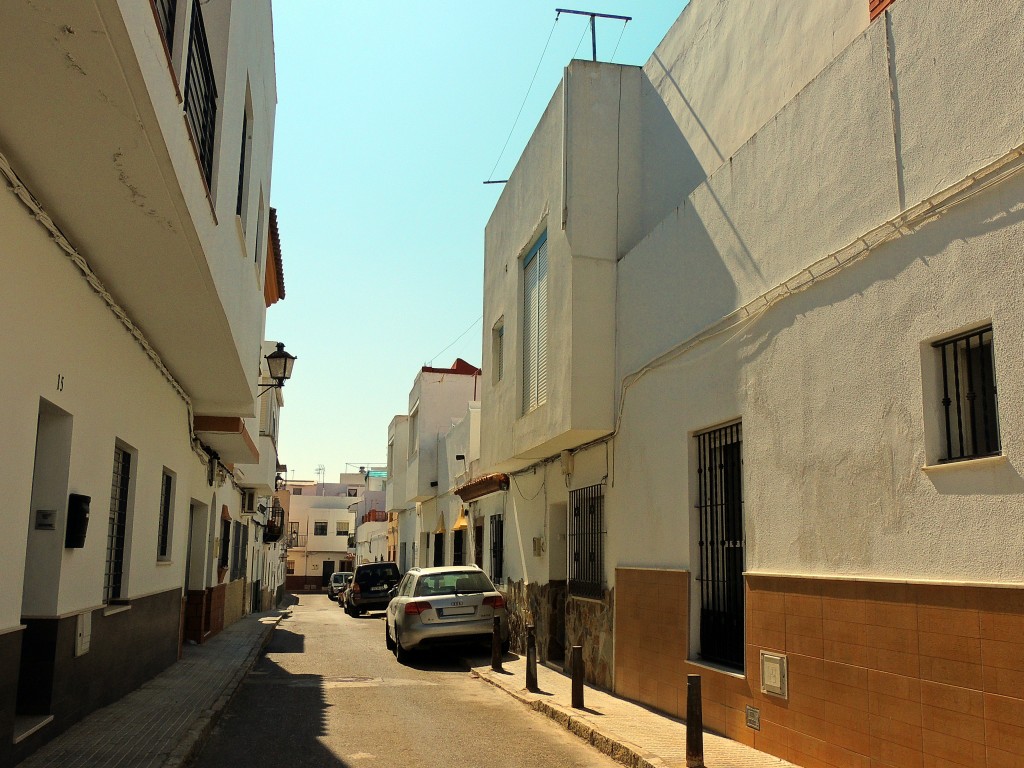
461 582
376 572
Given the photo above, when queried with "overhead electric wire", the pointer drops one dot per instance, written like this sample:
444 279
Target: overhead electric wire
521 106
457 339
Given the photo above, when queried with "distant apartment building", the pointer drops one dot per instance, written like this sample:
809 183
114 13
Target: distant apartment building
430 525
321 529
135 169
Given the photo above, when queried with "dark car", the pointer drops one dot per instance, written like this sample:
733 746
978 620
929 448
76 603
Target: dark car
370 585
337 583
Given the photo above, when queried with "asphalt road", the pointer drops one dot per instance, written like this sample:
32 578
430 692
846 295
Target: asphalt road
329 694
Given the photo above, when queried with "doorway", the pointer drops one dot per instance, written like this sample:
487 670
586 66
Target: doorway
44 555
325 575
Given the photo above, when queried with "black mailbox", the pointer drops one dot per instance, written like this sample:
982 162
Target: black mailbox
78 520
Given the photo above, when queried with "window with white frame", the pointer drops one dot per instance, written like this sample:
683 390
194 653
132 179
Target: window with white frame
414 437
535 324
320 528
163 545
342 528
498 350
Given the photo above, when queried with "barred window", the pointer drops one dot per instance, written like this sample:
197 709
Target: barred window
586 541
117 524
968 396
163 545
320 528
497 548
720 509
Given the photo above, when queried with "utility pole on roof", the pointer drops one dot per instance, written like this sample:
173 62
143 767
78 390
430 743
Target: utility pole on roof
593 15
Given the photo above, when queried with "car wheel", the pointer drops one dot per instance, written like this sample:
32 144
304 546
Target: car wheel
387 636
400 652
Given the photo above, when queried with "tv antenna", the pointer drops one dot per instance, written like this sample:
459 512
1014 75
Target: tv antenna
593 28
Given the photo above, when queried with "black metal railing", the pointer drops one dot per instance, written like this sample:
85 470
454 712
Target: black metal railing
166 10
720 509
586 541
201 92
297 540
117 524
969 401
275 524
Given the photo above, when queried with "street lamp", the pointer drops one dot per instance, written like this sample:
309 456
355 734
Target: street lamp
280 365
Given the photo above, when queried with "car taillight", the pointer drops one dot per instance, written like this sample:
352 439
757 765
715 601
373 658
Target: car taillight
354 588
416 608
495 601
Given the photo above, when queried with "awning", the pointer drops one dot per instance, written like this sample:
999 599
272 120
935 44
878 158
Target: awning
463 522
440 523
482 486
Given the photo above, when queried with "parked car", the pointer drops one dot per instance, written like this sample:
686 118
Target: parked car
369 589
336 583
444 605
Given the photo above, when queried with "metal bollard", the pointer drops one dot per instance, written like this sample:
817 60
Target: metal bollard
531 658
496 645
694 724
577 677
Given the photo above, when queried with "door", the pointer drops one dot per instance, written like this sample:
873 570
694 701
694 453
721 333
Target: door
325 575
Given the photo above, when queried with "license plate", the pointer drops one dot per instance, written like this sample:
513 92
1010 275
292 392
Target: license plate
378 589
467 610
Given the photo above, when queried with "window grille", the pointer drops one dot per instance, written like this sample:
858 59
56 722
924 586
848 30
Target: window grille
201 93
225 543
497 548
586 541
535 325
236 546
969 402
163 538
320 528
116 524
166 10
720 507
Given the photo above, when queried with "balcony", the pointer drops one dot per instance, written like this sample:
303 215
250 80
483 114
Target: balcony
275 525
374 516
296 540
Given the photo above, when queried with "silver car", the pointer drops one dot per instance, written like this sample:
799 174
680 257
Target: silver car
440 606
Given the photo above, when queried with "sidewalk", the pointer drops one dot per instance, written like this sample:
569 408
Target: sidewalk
630 733
162 723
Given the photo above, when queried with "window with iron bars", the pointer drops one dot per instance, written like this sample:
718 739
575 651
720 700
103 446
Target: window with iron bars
166 10
201 93
586 541
969 403
720 511
497 548
163 547
117 524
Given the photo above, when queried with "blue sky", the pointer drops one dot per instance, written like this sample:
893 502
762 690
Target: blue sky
390 117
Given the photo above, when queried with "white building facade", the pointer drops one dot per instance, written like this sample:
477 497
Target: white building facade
755 310
134 186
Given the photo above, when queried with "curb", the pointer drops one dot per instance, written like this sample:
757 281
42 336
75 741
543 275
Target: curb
200 730
616 748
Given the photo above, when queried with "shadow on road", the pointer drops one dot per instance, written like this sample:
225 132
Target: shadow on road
276 718
284 641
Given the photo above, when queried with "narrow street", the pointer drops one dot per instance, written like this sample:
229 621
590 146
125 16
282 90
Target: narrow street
328 693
